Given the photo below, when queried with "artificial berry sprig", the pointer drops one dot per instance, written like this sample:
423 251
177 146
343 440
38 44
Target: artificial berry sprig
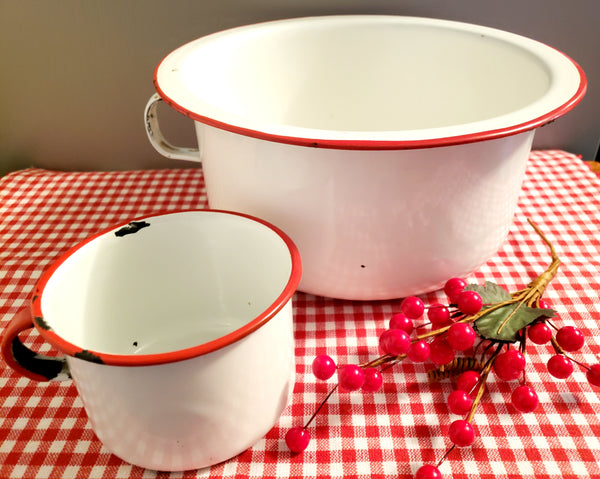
489 325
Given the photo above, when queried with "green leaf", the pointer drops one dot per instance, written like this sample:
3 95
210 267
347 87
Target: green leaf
490 292
520 315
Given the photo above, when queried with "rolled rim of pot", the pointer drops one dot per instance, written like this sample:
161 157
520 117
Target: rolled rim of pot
370 82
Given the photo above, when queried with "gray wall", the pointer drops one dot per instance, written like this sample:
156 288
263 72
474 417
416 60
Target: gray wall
75 74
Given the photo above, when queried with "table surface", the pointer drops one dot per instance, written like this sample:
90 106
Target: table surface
44 431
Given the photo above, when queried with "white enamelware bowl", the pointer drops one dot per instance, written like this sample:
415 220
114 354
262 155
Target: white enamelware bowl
391 149
177 331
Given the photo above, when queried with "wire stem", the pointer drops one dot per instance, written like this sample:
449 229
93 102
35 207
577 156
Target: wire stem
321 406
445 456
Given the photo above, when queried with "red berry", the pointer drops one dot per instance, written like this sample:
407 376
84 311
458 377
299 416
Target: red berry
412 307
509 365
467 381
461 433
461 336
469 302
438 314
297 439
441 351
570 338
418 351
539 333
560 366
351 377
394 342
524 398
593 375
373 380
453 287
400 321
323 367
459 402
428 472
543 304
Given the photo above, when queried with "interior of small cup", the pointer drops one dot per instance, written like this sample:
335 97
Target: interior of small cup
167 283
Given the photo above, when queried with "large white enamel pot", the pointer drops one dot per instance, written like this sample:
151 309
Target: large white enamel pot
391 149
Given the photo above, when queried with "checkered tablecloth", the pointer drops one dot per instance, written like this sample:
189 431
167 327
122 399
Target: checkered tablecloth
44 432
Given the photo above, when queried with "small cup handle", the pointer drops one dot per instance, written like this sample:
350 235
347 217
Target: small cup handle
25 361
158 140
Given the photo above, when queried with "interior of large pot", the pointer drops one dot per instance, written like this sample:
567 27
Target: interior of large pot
356 77
370 77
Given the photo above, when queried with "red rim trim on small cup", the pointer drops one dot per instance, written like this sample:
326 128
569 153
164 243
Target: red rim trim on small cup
71 349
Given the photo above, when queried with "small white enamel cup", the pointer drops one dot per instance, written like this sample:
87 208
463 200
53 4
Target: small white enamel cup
177 331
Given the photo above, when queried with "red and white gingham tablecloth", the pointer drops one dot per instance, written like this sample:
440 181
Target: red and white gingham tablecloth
44 431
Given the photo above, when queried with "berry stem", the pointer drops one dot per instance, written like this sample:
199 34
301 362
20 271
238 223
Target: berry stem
559 350
484 374
445 456
541 235
510 316
422 325
489 346
522 345
551 324
321 406
580 364
477 346
522 340
429 334
391 364
383 360
557 347
534 290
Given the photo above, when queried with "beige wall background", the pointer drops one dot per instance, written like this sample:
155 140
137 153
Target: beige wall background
75 75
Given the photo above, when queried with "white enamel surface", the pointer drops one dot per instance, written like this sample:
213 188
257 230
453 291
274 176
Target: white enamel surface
197 412
186 279
372 78
412 218
371 224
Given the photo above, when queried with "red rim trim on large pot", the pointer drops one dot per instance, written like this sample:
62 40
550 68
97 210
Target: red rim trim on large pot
361 144
388 145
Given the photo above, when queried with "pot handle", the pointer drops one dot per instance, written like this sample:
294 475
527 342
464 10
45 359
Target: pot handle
158 140
25 361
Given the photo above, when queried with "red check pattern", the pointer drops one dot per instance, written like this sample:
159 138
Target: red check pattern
44 432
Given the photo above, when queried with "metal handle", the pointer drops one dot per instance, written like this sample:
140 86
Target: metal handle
158 140
26 362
